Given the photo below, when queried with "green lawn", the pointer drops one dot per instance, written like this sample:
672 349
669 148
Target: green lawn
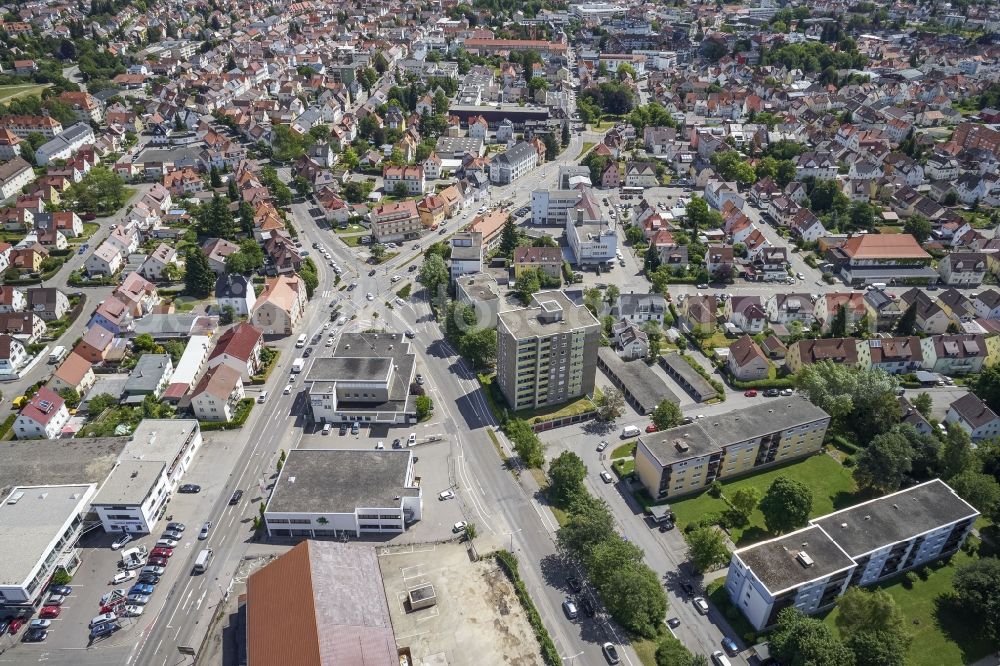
351 229
8 93
587 145
352 241
626 450
937 638
831 484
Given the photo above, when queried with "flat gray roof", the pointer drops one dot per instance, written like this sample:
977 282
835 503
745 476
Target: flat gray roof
358 354
33 462
147 373
350 368
897 517
528 322
740 425
674 361
33 523
130 482
340 481
775 563
159 439
643 384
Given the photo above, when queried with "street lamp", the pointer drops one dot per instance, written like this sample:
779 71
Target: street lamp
511 535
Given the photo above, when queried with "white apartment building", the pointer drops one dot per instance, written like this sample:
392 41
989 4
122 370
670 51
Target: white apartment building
513 163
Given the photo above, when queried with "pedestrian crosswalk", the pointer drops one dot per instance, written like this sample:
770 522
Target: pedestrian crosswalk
327 294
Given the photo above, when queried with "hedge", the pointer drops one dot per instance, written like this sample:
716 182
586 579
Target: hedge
778 383
508 562
7 424
241 416
845 445
716 384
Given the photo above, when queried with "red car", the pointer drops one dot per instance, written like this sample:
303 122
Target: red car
16 624
651 427
160 551
158 561
750 394
48 612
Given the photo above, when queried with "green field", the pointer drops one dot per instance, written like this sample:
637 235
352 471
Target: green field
937 637
831 484
8 93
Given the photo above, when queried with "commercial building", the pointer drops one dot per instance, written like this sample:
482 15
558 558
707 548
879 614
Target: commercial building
396 221
367 379
466 253
334 609
592 239
513 163
885 258
335 493
688 458
41 525
550 207
148 470
861 545
546 353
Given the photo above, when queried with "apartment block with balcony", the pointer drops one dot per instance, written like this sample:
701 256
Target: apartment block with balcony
688 458
547 352
41 526
862 545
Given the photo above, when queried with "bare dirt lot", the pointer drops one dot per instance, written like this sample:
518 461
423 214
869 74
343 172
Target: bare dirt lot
477 618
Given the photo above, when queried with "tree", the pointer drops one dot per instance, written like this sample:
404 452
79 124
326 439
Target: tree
923 403
861 609
434 275
907 321
527 283
508 238
857 399
526 443
786 505
744 502
377 251
651 260
987 386
356 191
919 226
589 523
199 280
424 406
804 641
871 647
101 402
479 347
706 548
144 344
980 490
101 191
956 454
566 475
551 147
838 325
214 178
610 405
977 588
70 395
666 415
634 597
286 143
671 652
214 218
565 138
884 464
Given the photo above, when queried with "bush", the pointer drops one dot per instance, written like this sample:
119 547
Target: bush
779 383
239 418
61 577
508 562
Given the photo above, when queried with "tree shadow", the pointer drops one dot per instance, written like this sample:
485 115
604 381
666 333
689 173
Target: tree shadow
752 534
960 626
597 427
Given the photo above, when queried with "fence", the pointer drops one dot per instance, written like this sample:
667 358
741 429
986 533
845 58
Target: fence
549 424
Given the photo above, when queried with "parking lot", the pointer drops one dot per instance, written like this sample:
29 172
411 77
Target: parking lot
476 619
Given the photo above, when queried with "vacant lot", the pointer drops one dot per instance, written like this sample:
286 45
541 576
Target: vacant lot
8 93
477 618
830 482
937 637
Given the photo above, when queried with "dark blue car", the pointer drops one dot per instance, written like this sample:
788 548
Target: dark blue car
141 588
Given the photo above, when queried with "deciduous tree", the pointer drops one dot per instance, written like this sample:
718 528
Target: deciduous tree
786 505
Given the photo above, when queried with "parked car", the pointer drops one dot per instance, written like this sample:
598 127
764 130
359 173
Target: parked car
701 605
4 625
18 622
651 427
459 526
189 488
750 394
170 534
730 646
574 583
603 445
772 393
570 609
121 541
47 612
104 630
167 543
108 596
154 569
148 579
787 391
176 527
63 590
588 606
55 600
673 623
138 599
102 618
343 429
446 495
39 624
606 477
122 576
610 653
158 561
160 551
131 610
140 588
36 635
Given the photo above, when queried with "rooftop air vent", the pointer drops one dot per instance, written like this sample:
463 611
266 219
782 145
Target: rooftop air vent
804 559
16 497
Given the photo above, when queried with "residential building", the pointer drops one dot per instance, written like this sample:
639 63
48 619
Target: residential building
551 207
367 379
547 352
720 262
27 327
21 126
640 174
43 416
631 342
64 144
962 269
895 356
13 356
513 163
217 395
159 262
974 417
987 304
546 259
42 526
954 354
747 314
411 177
490 225
842 351
14 175
236 292
747 361
280 306
786 309
862 545
396 221
333 493
315 578
640 308
47 302
106 260
75 373
138 294
150 376
689 458
466 253
190 365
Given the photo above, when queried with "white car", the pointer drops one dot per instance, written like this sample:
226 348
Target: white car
397 278
131 610
327 325
167 543
122 576
103 617
603 445
262 397
380 445
446 495
701 605
120 592
288 389
412 439
459 526
400 302
121 541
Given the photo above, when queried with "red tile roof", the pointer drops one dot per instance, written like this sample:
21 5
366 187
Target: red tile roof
238 342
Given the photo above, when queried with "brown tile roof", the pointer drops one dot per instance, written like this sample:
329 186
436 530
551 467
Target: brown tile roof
218 381
884 246
73 369
238 342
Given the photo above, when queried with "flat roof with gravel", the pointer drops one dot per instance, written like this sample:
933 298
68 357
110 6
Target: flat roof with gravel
780 565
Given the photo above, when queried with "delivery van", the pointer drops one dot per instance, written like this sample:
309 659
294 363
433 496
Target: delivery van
630 431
